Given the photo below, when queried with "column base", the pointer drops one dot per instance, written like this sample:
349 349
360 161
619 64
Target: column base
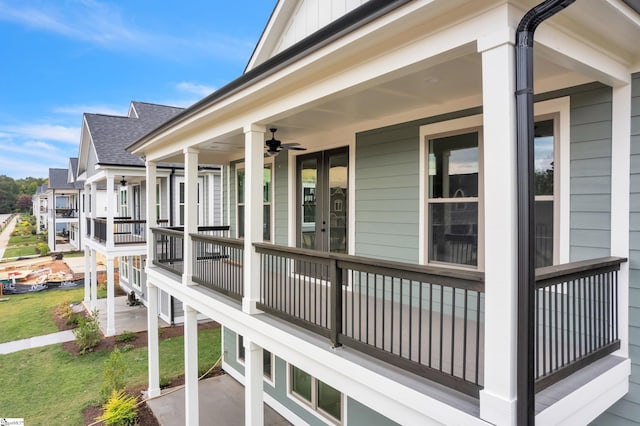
110 332
153 392
497 410
250 306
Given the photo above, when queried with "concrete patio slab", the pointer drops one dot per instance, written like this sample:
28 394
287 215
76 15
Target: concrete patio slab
127 318
221 398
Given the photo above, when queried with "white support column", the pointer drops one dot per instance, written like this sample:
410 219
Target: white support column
87 278
253 214
110 211
253 384
620 188
94 279
111 305
498 398
152 216
190 210
93 207
152 344
191 366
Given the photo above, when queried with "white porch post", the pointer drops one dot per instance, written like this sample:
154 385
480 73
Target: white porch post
87 278
152 343
93 207
620 186
94 279
191 366
253 382
190 210
152 216
111 305
498 398
110 211
253 214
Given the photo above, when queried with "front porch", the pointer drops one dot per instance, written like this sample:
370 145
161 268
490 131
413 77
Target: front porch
426 320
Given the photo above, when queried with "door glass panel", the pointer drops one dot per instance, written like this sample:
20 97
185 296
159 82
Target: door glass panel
338 191
308 214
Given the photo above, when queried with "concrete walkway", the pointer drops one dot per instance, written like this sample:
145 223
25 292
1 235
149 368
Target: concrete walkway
220 398
6 235
36 342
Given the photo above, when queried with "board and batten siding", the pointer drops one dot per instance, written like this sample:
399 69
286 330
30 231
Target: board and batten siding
590 172
627 410
387 193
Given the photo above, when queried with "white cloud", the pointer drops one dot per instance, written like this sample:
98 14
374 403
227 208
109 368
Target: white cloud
40 145
104 24
195 88
78 110
47 132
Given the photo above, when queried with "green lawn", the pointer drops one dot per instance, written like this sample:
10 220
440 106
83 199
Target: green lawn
19 251
26 240
49 386
28 315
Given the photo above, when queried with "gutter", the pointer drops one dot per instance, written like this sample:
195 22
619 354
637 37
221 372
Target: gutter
525 363
346 24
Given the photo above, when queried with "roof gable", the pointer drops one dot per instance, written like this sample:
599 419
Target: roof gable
109 135
58 180
293 20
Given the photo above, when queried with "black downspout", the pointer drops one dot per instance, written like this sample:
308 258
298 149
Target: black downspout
53 192
525 374
79 219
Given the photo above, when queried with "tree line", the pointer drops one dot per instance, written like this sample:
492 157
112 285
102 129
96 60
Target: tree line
15 194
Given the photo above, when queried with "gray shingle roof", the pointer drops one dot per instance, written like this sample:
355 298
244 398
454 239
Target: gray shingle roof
112 134
58 180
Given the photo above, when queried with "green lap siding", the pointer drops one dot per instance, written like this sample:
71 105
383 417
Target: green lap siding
280 194
356 413
590 172
627 410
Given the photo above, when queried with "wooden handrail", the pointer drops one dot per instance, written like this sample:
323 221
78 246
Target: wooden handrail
556 273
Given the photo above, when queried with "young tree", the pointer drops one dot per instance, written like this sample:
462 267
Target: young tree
24 203
8 194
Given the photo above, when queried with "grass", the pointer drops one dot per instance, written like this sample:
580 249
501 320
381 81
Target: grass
19 251
48 383
22 240
28 315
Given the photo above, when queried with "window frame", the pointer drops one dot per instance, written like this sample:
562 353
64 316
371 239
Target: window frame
557 109
312 405
240 166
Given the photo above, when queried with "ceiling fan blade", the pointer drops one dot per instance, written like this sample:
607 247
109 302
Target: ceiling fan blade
290 144
294 148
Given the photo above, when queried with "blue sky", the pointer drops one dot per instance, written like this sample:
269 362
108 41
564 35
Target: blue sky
59 59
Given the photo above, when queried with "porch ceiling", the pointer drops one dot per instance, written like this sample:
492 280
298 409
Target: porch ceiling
430 88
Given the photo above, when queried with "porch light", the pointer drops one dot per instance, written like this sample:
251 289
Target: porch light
123 182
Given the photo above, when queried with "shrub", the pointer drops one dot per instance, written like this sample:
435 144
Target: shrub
43 248
119 410
65 310
114 372
73 320
165 382
88 333
126 336
126 348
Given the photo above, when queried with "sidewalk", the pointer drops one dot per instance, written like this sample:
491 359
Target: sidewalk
6 235
36 342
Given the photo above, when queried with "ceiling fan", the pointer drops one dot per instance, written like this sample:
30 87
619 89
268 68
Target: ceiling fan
274 146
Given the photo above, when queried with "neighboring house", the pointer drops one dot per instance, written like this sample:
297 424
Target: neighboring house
375 281
117 229
41 208
63 197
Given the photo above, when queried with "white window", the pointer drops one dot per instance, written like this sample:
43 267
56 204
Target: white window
124 267
180 202
452 210
124 202
315 394
137 271
267 192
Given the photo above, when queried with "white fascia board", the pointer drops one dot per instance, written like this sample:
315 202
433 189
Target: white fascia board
393 399
438 46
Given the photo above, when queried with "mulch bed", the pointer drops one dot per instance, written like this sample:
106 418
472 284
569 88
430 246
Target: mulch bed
145 415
